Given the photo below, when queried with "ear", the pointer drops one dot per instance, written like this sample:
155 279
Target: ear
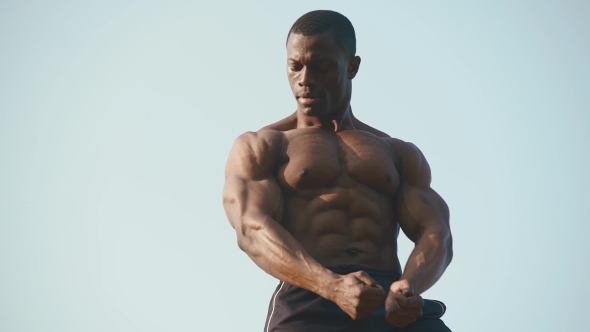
353 66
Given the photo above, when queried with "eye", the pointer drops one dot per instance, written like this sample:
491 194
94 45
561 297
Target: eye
295 66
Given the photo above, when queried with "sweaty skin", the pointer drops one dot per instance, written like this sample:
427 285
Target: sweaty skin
320 189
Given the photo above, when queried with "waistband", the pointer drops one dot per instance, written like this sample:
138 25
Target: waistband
349 268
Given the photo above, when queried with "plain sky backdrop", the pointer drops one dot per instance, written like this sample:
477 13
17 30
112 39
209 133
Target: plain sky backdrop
116 118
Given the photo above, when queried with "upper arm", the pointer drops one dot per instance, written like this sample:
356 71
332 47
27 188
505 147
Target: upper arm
250 188
420 209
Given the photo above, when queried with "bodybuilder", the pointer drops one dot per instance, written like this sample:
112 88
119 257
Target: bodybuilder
317 201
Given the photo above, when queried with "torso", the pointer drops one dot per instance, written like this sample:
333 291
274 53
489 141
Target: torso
338 192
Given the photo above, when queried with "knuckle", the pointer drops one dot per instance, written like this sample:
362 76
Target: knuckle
350 279
359 291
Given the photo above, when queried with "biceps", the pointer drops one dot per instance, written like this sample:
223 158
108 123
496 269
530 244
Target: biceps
422 210
244 197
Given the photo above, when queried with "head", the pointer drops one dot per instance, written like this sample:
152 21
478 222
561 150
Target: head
321 63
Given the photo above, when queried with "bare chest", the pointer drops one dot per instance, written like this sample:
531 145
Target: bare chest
315 159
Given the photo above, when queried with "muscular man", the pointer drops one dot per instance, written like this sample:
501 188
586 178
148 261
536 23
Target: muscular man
318 203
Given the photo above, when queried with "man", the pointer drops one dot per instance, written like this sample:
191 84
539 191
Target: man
318 203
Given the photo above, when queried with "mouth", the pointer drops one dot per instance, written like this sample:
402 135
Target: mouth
308 99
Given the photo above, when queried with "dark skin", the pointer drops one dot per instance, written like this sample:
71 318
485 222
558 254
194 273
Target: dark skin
316 191
290 122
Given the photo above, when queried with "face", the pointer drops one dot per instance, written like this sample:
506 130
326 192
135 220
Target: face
320 74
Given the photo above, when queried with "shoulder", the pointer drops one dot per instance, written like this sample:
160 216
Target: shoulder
256 152
264 138
285 124
406 150
365 127
414 166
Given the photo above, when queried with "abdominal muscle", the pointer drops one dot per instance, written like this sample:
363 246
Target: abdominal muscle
339 226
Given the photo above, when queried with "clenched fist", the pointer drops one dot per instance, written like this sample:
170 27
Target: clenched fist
403 306
358 294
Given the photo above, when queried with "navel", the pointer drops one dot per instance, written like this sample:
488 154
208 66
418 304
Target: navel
303 172
353 251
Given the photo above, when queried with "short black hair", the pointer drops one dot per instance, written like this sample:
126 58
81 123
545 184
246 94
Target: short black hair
319 21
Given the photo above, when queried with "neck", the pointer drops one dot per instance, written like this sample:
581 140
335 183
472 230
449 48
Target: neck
336 123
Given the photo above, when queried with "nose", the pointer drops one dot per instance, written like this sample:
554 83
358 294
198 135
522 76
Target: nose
306 77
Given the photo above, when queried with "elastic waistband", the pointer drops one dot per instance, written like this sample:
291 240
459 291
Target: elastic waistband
349 268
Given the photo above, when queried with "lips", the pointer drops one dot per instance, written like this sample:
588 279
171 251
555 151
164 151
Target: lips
308 101
308 98
308 95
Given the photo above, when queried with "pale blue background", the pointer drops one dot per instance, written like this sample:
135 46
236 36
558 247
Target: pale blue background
116 119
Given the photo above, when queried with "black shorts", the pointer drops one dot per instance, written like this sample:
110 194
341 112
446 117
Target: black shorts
294 309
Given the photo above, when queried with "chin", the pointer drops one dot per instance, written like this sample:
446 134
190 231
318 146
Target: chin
313 111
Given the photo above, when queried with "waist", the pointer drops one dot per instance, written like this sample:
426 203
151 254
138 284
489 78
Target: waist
388 275
346 257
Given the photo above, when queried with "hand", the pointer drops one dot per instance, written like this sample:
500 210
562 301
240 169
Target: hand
403 306
358 294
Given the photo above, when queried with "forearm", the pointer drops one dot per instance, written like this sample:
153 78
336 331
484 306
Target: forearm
429 259
279 254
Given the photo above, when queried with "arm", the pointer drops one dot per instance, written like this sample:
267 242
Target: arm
253 203
424 217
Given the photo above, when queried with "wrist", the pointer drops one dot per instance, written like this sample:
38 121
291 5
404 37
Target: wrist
405 284
328 285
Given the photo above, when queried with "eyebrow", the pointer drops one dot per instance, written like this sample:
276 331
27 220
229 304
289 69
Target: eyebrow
315 59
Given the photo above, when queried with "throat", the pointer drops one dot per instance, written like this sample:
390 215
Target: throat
330 123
